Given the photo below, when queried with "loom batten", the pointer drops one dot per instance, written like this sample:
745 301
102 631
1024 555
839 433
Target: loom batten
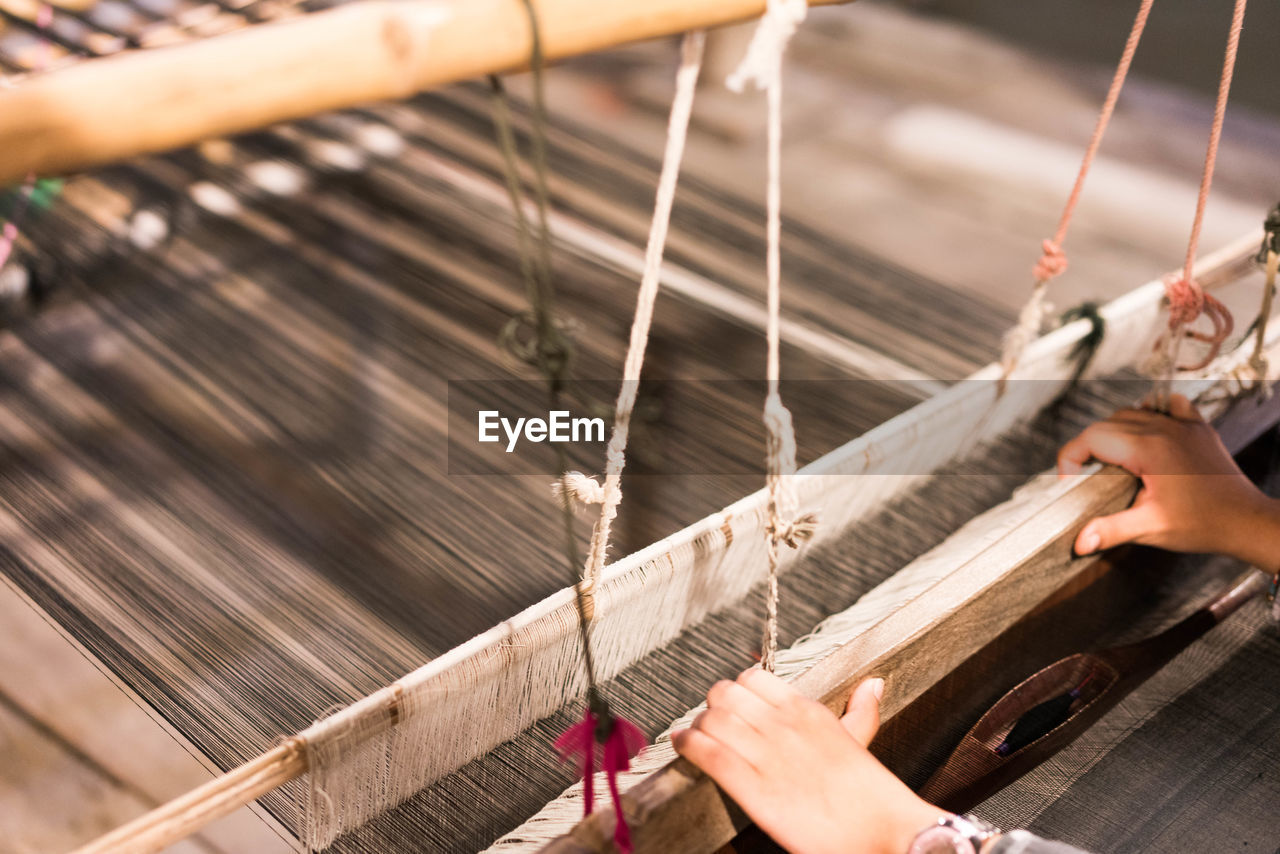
678 806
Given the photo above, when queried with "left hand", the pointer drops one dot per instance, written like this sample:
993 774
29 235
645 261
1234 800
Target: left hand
803 775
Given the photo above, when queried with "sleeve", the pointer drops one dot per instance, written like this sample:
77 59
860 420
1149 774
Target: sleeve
1021 842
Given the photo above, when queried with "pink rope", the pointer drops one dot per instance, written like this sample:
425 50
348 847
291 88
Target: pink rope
44 17
1187 299
1053 261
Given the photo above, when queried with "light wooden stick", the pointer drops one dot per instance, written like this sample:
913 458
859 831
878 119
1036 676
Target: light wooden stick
102 110
680 809
221 796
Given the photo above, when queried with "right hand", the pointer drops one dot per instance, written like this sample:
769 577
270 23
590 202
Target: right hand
1194 498
802 774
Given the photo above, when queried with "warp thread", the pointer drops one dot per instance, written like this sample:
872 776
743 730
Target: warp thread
762 66
1053 260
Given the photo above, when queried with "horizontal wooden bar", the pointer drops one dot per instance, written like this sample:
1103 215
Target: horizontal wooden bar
102 110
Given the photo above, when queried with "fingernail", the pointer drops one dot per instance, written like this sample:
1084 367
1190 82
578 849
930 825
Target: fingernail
1089 542
877 688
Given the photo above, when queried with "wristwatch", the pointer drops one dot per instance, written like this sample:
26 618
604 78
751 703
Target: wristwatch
954 834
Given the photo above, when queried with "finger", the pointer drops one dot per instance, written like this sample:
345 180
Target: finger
743 702
1127 526
862 717
1132 414
725 766
1183 409
735 733
1109 442
769 688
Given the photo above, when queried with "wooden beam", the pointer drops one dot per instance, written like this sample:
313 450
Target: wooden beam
679 808
108 109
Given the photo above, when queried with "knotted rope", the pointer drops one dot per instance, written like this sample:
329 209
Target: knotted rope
550 351
577 485
1053 260
763 67
1187 299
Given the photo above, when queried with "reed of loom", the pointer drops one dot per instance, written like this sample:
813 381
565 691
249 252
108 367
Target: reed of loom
109 109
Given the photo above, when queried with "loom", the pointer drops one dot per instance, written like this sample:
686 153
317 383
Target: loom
225 480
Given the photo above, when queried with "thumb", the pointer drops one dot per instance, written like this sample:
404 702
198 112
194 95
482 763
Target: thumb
862 718
1107 532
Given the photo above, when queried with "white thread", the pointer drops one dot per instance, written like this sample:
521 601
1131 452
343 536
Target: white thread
1030 321
615 453
763 66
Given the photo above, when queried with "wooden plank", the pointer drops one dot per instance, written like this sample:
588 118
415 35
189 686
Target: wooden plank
136 759
51 798
132 103
914 647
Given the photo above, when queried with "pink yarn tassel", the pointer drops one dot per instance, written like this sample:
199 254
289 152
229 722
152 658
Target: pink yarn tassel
623 741
580 740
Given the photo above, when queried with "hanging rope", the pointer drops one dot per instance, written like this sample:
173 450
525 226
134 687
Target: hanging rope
1187 299
1053 260
618 739
551 351
763 67
581 487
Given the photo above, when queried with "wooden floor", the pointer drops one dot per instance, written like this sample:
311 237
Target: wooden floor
946 152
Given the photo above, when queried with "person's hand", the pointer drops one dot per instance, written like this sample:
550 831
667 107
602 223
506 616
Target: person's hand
804 776
1194 498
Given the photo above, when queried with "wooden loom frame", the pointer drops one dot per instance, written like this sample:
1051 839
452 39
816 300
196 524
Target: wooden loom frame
97 111
101 110
679 791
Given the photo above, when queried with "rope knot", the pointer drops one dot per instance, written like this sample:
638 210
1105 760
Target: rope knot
764 55
1052 263
1186 299
581 488
546 344
793 532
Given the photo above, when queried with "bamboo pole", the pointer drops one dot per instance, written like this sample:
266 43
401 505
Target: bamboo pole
101 110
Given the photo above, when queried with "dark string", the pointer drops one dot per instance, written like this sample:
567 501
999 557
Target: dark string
1271 236
550 350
